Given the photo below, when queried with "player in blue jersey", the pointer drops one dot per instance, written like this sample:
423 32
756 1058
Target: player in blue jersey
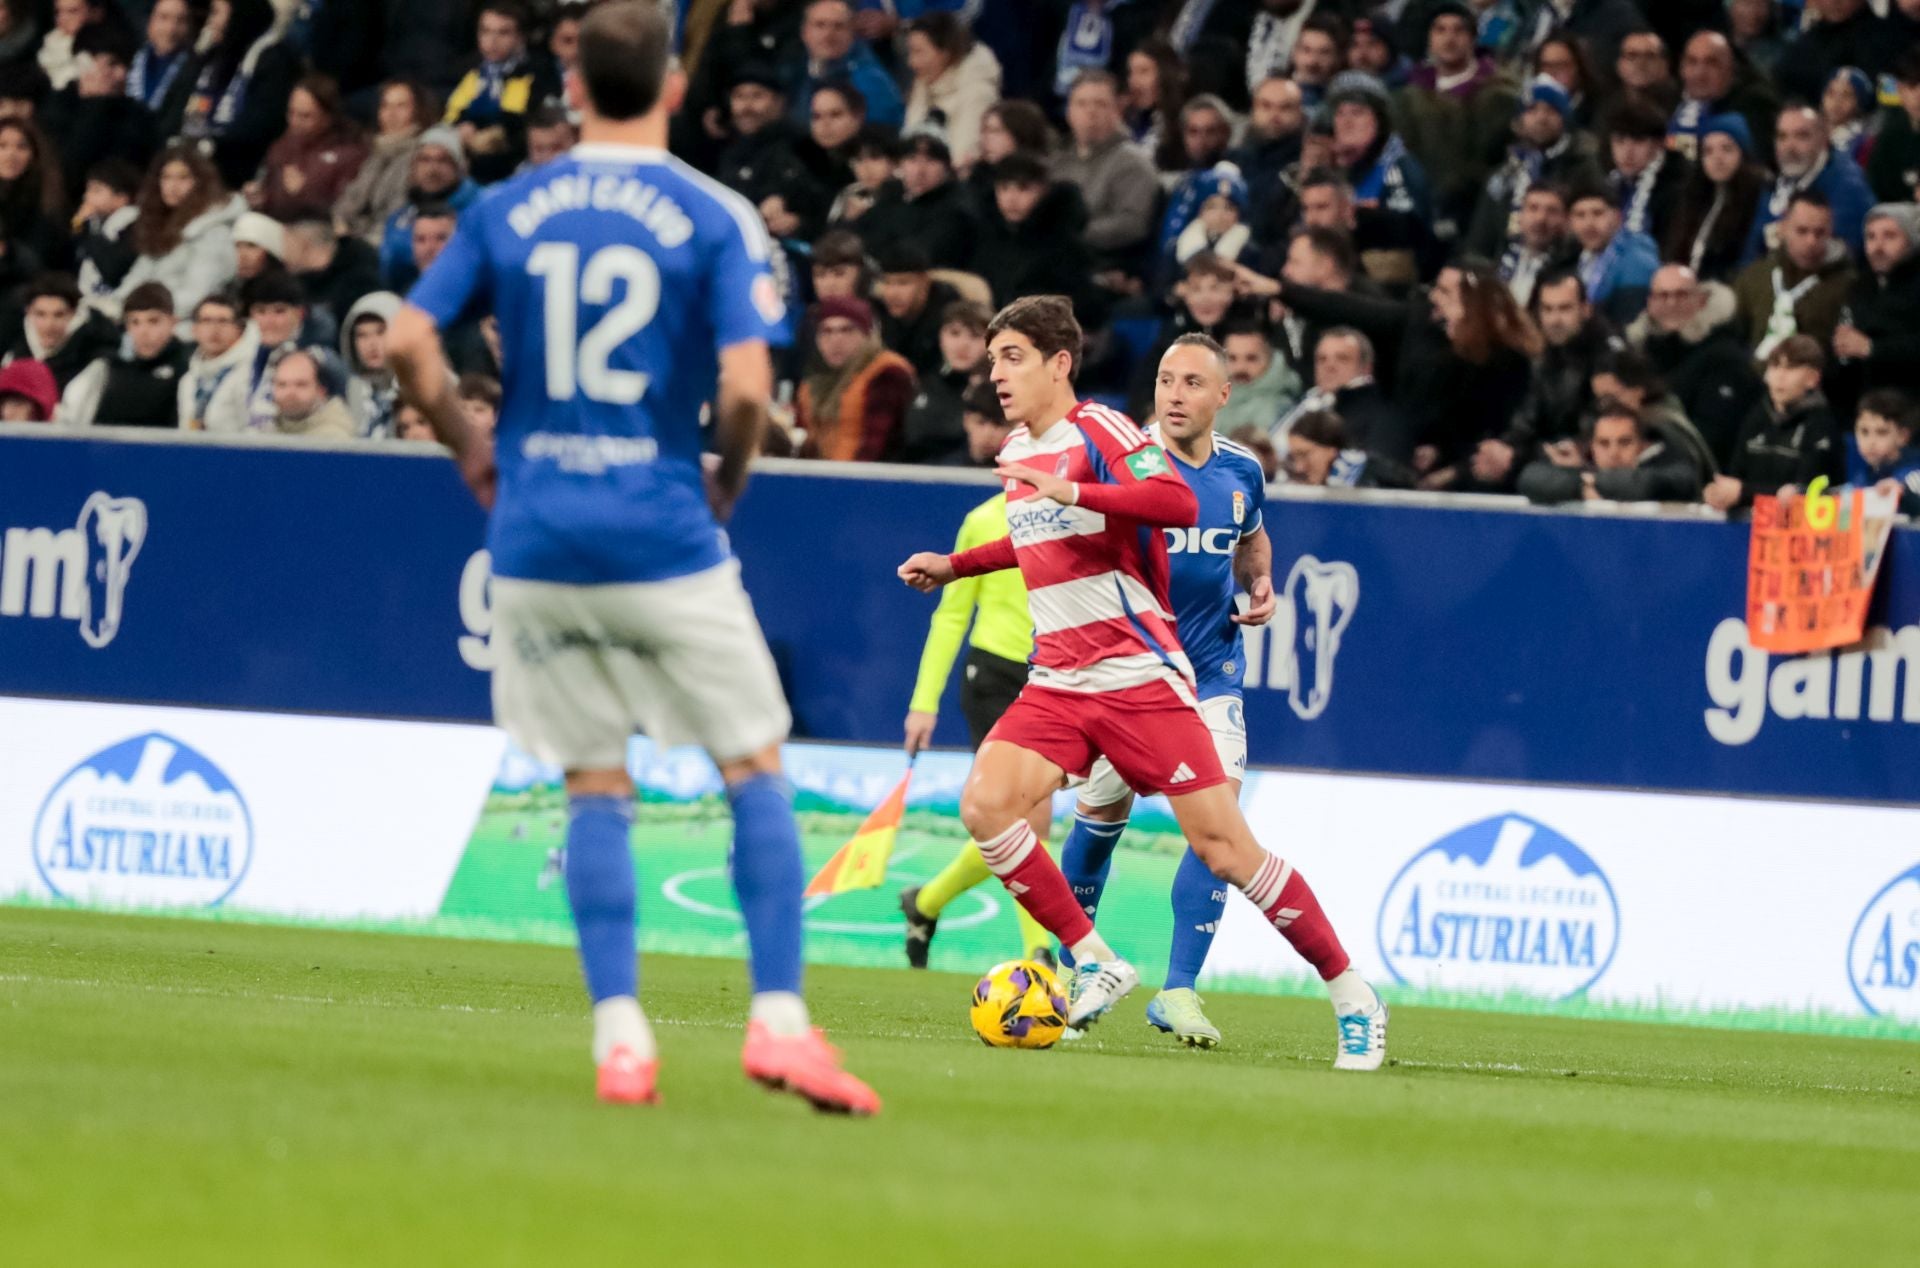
623 280
1225 552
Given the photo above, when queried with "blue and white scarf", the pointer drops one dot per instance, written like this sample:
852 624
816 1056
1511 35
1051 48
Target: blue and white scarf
151 75
1383 183
1086 44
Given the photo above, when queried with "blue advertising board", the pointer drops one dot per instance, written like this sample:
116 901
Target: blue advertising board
1412 639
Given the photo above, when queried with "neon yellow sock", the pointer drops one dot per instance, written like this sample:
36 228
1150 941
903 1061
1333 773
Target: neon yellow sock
965 871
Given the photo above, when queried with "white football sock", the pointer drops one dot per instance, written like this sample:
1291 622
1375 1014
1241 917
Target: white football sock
782 1012
619 1023
1092 948
1351 994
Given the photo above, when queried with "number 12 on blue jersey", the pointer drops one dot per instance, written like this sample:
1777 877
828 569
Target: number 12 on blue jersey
580 363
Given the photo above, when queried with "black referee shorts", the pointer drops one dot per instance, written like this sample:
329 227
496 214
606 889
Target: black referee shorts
990 686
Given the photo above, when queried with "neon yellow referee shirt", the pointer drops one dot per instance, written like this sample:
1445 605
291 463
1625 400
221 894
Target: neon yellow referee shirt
1003 625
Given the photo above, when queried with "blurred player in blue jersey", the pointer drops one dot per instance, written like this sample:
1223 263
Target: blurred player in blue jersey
622 281
1226 551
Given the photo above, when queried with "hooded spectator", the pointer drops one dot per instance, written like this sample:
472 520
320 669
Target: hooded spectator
954 76
1847 107
1693 335
28 393
1800 287
1544 152
234 96
1719 203
1808 162
855 395
372 392
437 174
488 107
1893 169
1877 344
138 386
310 166
925 205
214 389
380 187
92 118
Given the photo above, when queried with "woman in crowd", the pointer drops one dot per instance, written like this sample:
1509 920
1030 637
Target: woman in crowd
1463 357
856 393
309 167
1156 89
185 229
167 51
835 118
1717 206
953 76
1008 127
234 95
56 51
1564 58
32 195
380 189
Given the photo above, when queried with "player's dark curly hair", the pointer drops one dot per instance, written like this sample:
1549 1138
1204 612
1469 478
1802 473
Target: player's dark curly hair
1046 320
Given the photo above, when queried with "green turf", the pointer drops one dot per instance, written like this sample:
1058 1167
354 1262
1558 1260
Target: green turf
201 1093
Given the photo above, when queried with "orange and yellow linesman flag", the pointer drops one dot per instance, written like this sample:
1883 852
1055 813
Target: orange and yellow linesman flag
862 862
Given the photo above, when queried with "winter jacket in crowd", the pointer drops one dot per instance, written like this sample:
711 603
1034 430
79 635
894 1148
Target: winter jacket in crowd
214 390
499 95
123 390
961 93
199 265
940 220
1708 365
1816 310
378 190
1778 448
87 130
371 394
321 167
1120 190
1886 309
1046 254
88 338
1458 134
1559 396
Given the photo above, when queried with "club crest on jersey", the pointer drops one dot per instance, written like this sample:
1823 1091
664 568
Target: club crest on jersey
767 301
1145 463
1239 507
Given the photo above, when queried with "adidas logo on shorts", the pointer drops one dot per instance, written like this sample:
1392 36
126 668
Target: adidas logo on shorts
1182 774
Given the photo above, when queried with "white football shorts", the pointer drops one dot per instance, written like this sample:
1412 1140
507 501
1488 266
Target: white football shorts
683 661
1227 720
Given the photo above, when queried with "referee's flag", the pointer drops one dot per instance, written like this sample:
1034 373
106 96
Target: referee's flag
862 862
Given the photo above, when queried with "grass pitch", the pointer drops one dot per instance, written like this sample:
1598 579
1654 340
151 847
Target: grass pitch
206 1093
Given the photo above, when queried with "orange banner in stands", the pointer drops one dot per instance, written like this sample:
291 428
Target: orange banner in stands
1811 565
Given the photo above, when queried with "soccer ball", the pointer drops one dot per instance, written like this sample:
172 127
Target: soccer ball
1019 1004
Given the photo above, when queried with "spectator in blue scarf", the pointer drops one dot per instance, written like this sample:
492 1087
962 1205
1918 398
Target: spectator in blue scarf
489 105
158 63
1616 265
1378 165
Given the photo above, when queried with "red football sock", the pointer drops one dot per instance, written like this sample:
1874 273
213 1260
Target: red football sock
1036 883
1286 900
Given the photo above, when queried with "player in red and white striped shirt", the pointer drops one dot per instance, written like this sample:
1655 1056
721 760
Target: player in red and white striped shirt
1087 496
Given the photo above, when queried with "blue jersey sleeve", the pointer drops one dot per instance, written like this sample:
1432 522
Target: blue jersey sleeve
455 282
1256 501
745 300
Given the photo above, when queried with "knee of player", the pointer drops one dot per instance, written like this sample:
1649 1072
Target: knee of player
987 811
1217 851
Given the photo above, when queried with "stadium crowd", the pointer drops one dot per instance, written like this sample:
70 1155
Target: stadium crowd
1576 249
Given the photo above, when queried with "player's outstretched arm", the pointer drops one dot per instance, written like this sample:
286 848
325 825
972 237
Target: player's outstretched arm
1253 572
1159 498
927 571
428 383
746 393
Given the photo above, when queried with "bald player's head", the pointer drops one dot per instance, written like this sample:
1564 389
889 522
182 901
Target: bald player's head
1192 385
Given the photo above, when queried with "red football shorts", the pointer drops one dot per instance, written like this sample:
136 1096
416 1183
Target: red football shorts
1153 734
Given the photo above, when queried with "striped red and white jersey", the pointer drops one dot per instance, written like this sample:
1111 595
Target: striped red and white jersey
1096 583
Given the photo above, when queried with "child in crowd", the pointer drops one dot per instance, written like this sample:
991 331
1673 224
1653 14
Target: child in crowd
1790 438
480 400
1881 447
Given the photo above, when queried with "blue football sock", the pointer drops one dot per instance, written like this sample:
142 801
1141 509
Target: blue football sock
600 891
1199 901
1085 859
768 879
